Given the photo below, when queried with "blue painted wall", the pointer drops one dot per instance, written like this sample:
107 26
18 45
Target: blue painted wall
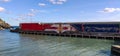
113 28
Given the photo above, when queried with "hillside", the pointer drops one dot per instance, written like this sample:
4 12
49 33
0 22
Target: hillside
4 25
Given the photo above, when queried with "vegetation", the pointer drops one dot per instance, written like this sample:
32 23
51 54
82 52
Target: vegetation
3 25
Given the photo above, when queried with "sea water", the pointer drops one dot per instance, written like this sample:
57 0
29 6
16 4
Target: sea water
15 44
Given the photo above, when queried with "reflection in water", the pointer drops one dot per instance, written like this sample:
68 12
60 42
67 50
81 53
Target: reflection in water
14 44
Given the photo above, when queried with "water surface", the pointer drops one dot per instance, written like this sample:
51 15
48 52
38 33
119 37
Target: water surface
14 44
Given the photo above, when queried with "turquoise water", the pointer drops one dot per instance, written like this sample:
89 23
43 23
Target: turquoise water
14 44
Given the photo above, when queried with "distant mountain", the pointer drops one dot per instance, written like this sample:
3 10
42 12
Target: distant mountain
4 25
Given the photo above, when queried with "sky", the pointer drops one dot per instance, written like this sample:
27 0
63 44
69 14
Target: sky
19 11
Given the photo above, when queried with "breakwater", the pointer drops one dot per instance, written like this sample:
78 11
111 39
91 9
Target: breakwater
78 34
105 30
115 50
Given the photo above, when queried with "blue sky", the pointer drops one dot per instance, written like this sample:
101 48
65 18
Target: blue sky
17 11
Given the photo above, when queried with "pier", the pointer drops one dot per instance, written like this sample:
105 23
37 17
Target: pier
115 50
77 34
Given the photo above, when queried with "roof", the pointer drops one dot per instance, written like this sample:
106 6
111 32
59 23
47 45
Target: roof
75 23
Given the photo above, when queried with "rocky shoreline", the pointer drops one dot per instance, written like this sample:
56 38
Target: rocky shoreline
4 25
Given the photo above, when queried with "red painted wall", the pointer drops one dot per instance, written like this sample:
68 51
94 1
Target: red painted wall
45 27
34 26
31 27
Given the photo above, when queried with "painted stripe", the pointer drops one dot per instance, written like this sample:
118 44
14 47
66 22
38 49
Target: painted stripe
60 28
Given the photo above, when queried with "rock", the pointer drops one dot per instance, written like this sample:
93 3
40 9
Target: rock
4 25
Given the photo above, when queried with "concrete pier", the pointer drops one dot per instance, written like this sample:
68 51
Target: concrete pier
115 50
80 34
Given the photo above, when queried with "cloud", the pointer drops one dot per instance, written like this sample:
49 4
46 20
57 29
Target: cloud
34 10
20 17
31 14
110 10
5 0
38 11
57 1
42 4
2 9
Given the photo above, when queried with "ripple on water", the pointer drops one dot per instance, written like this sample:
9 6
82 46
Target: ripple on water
14 44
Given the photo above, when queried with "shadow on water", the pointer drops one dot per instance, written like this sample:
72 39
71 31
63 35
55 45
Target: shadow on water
13 44
117 42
